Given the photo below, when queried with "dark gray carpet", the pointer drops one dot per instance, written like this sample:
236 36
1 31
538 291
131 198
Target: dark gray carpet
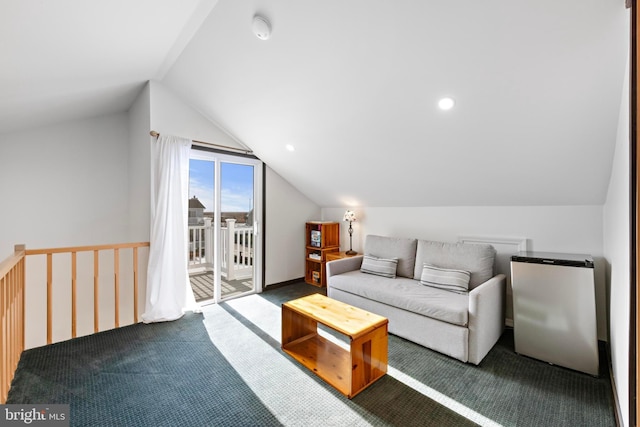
164 374
225 368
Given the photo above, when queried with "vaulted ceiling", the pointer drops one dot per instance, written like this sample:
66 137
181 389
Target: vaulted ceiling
353 86
69 59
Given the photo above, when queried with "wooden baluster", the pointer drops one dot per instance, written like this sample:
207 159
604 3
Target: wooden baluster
15 303
135 285
4 365
12 318
22 277
9 322
74 300
96 281
7 327
49 298
116 286
21 302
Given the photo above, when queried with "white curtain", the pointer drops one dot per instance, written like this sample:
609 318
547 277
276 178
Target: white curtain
169 292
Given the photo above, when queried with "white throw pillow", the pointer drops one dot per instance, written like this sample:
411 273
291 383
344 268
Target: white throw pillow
385 267
445 278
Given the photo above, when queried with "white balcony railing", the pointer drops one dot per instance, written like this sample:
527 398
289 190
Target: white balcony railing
236 246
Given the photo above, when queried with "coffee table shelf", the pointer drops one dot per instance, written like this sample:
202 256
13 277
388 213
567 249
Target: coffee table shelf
349 371
324 358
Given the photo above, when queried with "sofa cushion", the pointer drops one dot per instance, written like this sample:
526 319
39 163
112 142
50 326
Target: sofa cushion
477 259
385 267
406 294
448 279
403 249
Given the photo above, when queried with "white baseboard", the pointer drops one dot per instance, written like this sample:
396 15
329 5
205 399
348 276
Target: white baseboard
616 400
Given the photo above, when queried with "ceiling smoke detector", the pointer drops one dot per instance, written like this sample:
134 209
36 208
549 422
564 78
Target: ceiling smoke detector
261 27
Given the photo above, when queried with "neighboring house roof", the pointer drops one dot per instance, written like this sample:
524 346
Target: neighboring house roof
240 217
194 203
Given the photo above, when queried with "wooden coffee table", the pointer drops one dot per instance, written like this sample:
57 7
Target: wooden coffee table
349 371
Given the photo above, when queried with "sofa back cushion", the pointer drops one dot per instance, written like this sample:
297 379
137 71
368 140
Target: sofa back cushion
403 249
477 259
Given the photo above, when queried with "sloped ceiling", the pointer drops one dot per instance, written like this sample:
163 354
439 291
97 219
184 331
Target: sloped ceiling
69 59
353 85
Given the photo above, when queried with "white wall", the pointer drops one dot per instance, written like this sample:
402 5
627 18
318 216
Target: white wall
287 210
140 166
617 255
170 115
65 185
139 183
571 229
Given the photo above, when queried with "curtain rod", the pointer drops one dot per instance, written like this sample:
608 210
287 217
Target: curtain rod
209 144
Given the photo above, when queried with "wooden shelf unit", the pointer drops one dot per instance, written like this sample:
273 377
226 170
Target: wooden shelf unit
321 238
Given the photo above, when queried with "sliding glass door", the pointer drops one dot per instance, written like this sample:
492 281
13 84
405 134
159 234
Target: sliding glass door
225 205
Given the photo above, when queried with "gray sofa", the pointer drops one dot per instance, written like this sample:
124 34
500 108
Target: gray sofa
462 324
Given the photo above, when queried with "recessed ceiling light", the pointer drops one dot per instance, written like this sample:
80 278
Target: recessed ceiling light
446 103
290 147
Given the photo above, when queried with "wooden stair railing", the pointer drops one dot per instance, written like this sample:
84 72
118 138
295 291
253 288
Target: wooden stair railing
13 309
12 312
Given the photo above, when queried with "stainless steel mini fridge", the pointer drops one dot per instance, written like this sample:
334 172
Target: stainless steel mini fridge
554 309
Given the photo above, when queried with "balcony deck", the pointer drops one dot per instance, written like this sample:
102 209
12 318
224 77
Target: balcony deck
202 285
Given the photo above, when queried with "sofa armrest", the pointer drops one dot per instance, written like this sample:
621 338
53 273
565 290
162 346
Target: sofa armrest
486 316
343 265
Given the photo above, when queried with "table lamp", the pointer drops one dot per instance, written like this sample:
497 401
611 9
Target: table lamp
350 216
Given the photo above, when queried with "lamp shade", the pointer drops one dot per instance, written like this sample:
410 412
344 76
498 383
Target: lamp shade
349 216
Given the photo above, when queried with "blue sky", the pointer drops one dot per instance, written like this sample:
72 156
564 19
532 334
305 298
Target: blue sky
236 188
